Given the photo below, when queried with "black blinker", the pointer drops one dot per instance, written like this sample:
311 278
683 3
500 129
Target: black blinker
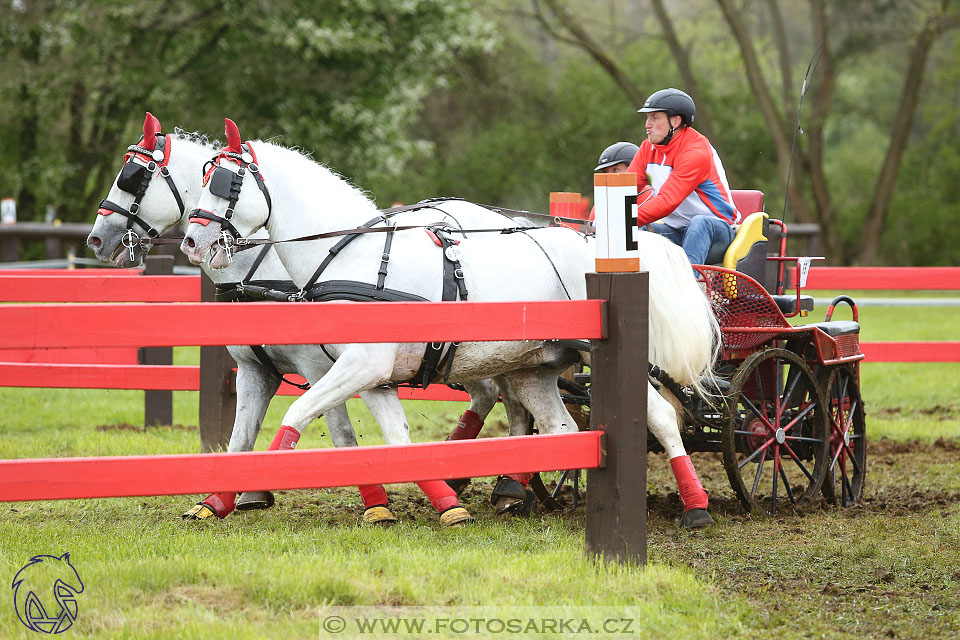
131 177
221 182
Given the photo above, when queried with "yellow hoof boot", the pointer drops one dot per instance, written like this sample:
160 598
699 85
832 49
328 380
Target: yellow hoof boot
455 516
200 511
379 515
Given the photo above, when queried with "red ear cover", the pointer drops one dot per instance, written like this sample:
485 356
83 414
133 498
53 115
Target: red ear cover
151 127
233 135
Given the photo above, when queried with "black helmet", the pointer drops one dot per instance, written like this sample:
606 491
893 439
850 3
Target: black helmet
673 102
616 153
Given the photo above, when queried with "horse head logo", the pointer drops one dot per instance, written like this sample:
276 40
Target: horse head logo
32 587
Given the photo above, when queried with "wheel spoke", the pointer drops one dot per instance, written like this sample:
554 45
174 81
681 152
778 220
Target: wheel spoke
786 485
853 458
803 439
773 495
753 455
756 478
803 413
847 490
763 401
792 386
753 409
796 461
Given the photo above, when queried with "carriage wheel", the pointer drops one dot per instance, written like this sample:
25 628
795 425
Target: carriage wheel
848 440
776 437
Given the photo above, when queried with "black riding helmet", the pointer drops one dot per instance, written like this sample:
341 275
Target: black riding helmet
673 102
616 153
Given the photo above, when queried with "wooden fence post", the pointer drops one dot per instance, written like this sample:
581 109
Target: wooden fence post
218 395
157 404
616 510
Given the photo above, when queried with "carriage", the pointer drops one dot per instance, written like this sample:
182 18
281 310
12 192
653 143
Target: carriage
787 414
782 403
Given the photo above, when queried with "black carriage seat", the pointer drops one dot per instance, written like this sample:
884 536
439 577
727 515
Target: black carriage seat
837 328
788 304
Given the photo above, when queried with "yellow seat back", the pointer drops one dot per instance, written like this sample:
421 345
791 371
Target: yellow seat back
746 254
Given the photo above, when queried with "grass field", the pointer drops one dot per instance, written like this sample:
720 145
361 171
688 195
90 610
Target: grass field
889 568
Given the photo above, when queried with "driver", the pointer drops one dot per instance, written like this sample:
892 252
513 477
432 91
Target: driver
687 200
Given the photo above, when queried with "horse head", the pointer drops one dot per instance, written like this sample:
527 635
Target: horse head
234 203
137 209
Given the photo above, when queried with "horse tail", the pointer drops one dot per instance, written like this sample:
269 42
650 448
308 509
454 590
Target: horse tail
684 333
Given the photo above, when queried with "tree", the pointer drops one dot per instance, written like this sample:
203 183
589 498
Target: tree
340 78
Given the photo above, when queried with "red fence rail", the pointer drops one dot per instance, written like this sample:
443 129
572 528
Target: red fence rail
889 278
120 476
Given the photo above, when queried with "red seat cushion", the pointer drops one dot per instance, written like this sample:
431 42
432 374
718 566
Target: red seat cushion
747 201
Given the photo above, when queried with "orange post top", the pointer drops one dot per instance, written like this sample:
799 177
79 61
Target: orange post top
564 196
614 179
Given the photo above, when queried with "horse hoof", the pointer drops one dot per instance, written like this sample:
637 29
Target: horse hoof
696 519
516 506
455 516
250 500
458 484
200 511
379 515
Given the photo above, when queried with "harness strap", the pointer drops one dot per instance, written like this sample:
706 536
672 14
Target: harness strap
256 263
265 360
385 259
454 287
344 241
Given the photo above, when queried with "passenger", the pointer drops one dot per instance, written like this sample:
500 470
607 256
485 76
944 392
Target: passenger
687 198
614 159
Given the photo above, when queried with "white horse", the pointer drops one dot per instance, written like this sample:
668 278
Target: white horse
305 199
160 207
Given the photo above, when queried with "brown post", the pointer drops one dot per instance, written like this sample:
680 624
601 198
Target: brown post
218 395
616 510
158 404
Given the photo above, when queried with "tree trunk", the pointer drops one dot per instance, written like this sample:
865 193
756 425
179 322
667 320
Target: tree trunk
607 63
876 220
704 123
825 213
779 130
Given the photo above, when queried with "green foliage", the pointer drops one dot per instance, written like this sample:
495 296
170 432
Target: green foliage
342 78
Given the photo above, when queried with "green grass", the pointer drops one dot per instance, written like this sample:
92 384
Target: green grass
887 568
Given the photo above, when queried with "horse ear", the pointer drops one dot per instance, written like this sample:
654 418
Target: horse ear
151 127
233 136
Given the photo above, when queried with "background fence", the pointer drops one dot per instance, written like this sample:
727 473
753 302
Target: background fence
151 368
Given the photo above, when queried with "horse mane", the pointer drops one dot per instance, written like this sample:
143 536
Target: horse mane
326 181
201 139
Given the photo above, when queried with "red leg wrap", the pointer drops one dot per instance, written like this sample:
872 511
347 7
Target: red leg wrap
468 427
440 494
222 504
373 495
522 478
285 439
688 484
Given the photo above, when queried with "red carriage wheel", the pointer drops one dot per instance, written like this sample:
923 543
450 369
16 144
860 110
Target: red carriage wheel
776 437
847 469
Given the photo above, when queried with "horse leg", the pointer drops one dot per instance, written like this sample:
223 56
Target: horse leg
386 408
536 390
662 422
374 495
359 367
255 388
483 397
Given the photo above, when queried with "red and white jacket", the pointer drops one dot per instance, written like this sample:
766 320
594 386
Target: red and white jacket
687 178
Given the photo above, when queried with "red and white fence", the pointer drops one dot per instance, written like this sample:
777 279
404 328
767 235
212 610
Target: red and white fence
614 452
